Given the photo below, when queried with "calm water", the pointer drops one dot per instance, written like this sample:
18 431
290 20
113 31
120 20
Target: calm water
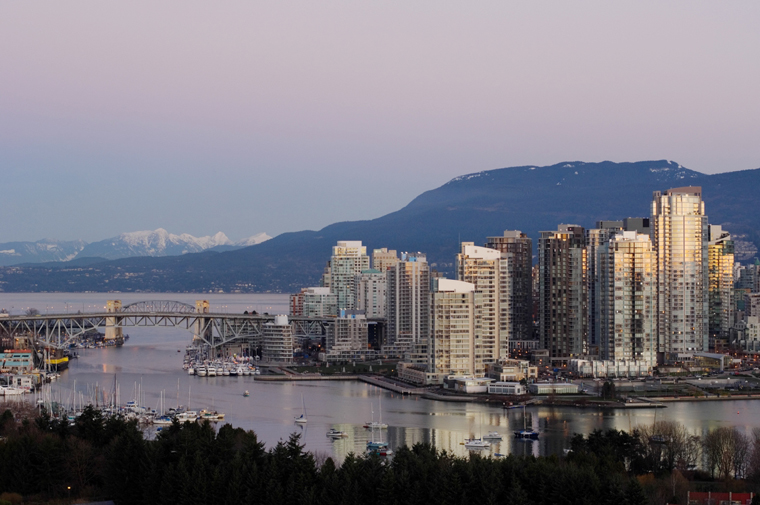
150 359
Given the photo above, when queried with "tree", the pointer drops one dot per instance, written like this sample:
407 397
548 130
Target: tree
31 311
608 391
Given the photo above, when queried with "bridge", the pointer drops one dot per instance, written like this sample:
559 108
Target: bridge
214 329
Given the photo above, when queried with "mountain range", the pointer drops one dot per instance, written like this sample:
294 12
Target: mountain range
127 245
467 208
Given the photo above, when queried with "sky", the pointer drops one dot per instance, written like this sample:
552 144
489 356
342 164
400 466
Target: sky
263 116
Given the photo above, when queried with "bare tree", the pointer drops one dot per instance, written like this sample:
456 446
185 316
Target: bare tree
728 452
31 311
672 445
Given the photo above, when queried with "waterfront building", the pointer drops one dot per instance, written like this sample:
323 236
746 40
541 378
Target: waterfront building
347 337
487 270
371 291
627 299
720 257
277 341
596 238
517 248
452 337
679 236
314 302
506 388
384 259
349 258
408 303
511 370
563 288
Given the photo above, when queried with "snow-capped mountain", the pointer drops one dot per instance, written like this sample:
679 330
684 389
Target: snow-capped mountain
14 253
162 243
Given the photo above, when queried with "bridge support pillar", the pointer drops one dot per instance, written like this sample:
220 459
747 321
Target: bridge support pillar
201 330
113 331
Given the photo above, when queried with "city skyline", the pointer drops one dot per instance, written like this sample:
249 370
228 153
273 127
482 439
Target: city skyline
200 119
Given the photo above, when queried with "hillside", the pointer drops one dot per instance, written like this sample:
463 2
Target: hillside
467 208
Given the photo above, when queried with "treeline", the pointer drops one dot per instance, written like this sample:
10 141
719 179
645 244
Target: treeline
43 459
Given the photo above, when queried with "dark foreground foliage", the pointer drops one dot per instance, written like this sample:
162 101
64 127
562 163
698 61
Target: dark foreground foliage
192 463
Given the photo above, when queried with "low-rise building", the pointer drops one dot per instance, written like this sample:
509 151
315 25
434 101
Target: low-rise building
17 361
507 388
467 384
419 374
511 370
611 368
553 388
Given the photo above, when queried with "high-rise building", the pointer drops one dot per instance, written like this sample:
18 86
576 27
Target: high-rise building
720 257
383 259
371 287
517 248
487 270
314 302
679 237
408 307
452 336
562 292
349 259
595 239
627 299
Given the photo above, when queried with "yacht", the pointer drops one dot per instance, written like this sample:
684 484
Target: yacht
333 433
476 443
211 371
201 371
492 435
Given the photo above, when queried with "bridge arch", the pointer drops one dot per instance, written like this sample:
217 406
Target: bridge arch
159 306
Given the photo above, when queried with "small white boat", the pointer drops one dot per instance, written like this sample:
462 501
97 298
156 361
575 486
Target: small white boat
190 371
246 394
233 372
226 371
190 416
492 435
477 443
333 433
211 415
163 420
220 371
246 371
211 371
201 371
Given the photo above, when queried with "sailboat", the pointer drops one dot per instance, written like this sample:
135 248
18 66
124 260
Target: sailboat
477 443
526 433
302 419
377 425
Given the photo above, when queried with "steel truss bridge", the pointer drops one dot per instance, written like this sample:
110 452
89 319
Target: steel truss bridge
214 329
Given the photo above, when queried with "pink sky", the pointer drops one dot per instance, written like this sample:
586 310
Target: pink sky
277 116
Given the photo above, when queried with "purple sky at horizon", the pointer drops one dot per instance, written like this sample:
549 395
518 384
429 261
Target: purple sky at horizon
248 117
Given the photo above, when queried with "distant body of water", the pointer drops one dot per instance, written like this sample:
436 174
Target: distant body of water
150 360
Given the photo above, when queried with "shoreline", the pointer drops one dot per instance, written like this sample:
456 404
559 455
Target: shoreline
585 402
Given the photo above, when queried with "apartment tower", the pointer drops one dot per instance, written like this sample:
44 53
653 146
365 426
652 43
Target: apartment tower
679 236
517 248
720 259
487 270
627 299
349 259
563 290
452 336
408 307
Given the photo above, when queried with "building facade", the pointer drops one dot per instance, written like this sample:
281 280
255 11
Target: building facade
596 238
408 302
349 259
487 270
679 236
277 341
563 288
452 337
371 292
627 299
720 258
517 248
